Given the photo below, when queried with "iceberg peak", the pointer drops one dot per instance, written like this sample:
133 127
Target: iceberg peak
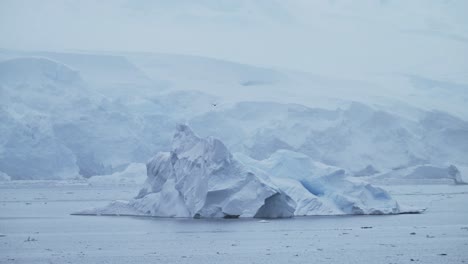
183 131
210 151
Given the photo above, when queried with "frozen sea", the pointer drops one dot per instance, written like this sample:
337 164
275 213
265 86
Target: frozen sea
36 227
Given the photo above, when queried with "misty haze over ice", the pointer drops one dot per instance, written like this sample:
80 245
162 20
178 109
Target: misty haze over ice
233 109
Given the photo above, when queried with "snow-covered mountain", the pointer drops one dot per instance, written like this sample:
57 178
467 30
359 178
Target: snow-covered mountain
420 174
92 114
111 75
351 137
54 126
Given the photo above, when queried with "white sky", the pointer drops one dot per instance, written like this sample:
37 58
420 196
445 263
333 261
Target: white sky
345 38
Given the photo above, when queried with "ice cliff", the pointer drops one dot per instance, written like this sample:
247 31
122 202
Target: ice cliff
54 121
199 177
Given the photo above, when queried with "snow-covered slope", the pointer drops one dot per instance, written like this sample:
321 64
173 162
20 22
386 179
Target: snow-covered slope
352 137
31 70
200 178
4 176
134 174
146 75
420 174
75 111
112 75
55 126
30 89
234 82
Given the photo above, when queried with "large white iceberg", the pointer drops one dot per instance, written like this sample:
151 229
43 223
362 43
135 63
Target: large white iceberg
199 177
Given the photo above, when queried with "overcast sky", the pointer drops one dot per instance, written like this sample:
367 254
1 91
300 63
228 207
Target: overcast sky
335 37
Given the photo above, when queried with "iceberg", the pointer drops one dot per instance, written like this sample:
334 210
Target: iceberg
320 189
200 178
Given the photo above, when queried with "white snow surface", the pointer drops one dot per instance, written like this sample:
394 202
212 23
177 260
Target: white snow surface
421 174
4 176
134 174
64 114
53 120
201 178
352 136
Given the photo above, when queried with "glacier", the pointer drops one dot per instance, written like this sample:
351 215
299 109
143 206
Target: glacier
133 174
352 136
233 131
200 177
53 120
64 116
420 174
